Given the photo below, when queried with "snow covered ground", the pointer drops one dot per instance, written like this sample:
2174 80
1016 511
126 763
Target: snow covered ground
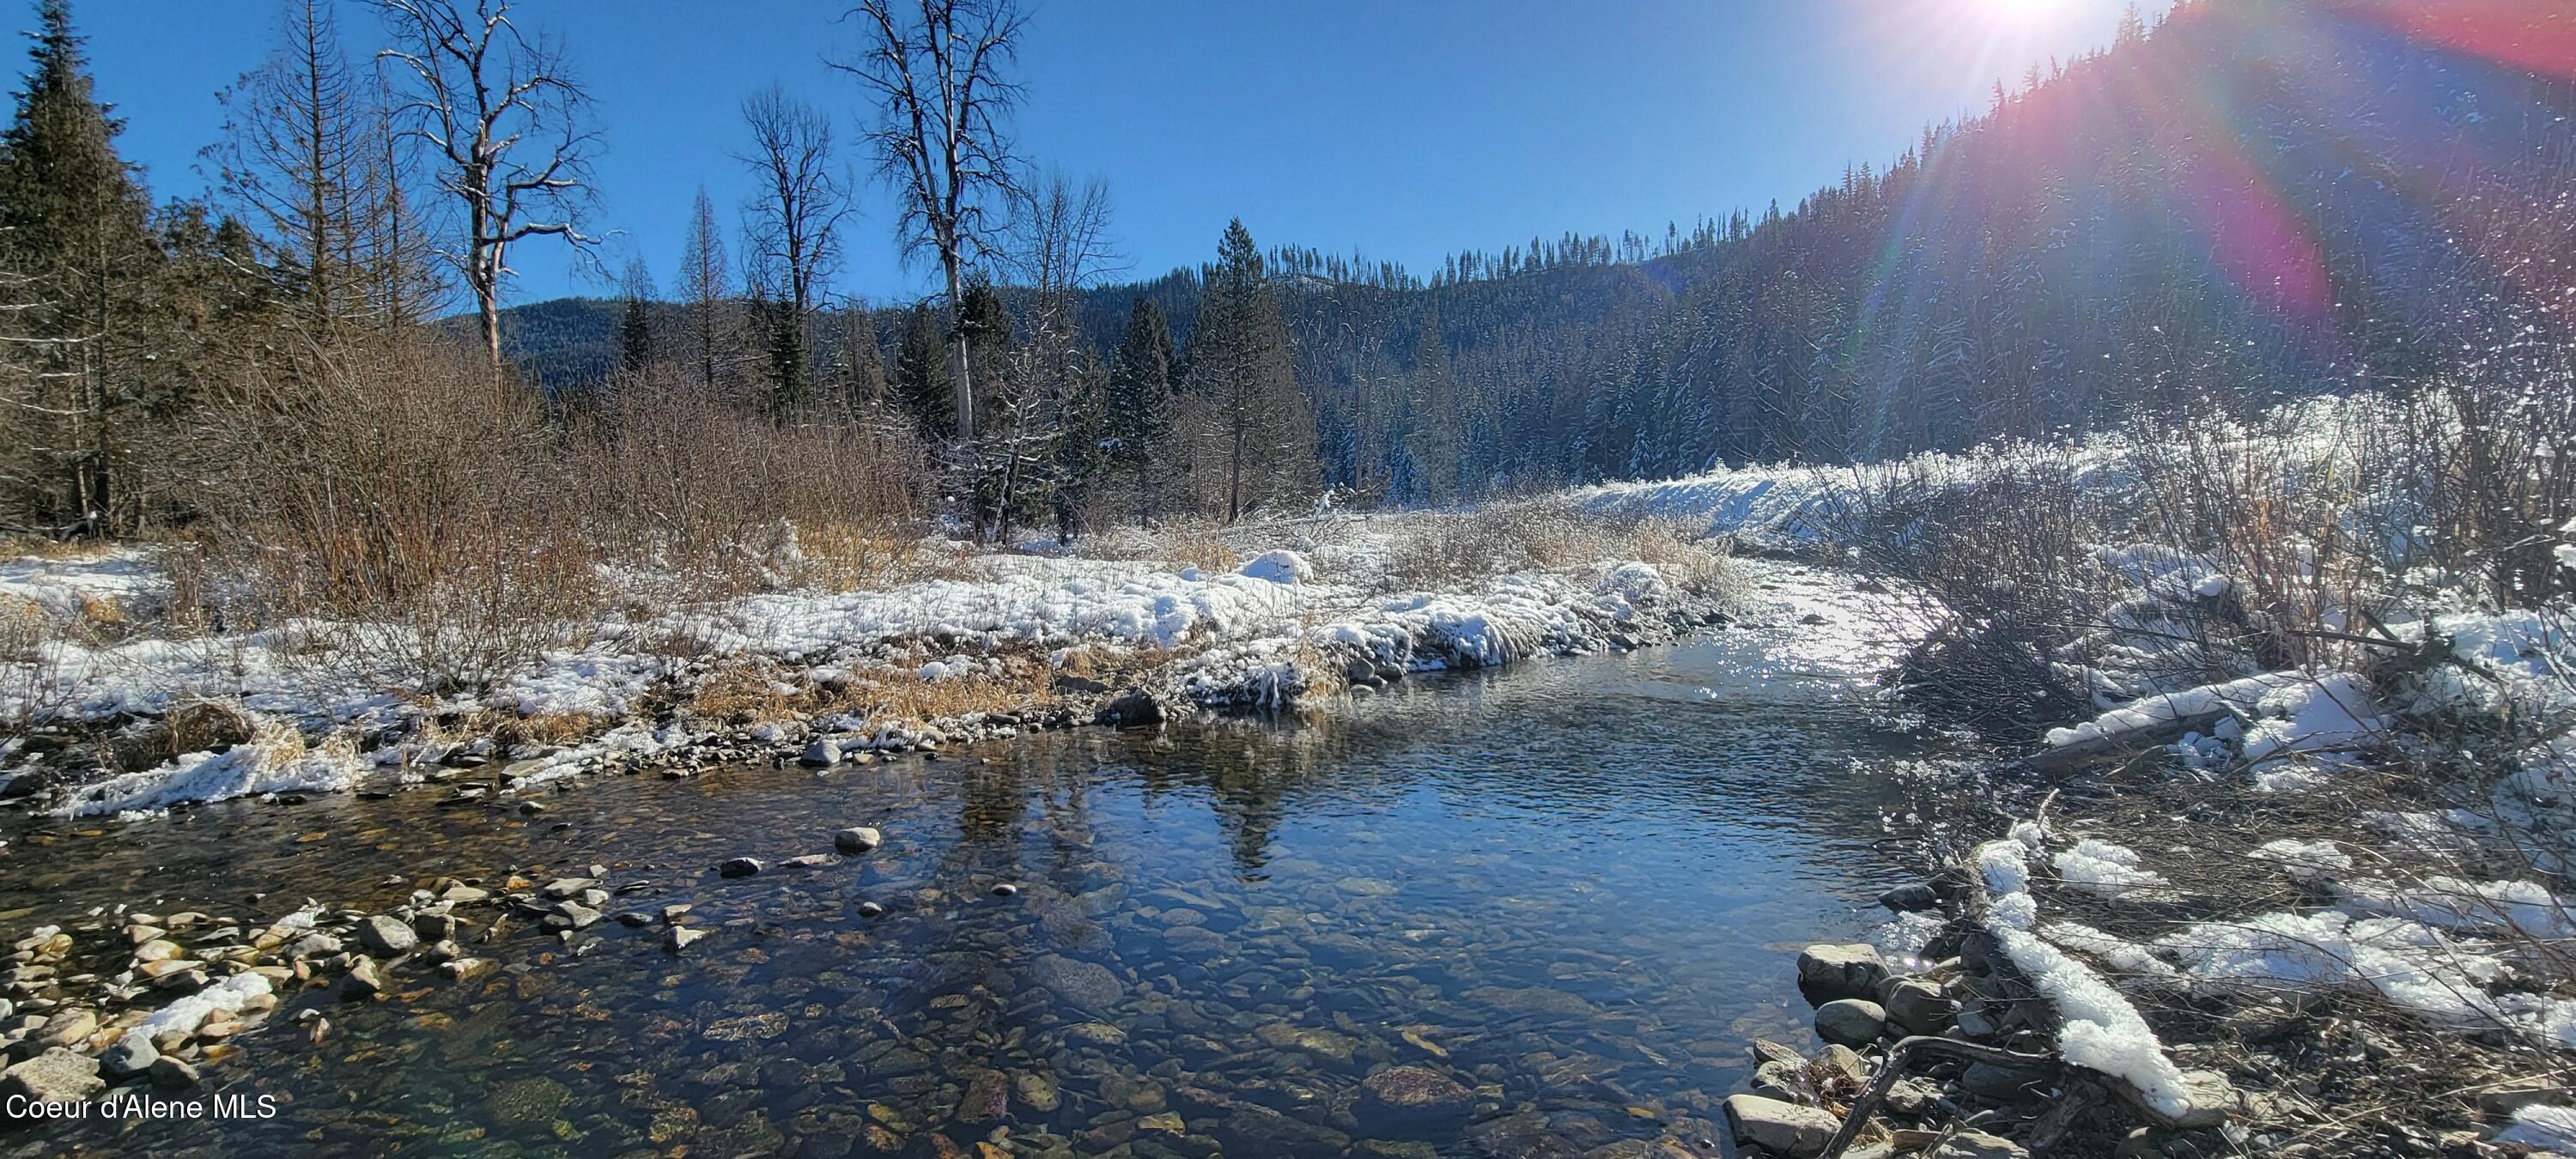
1314 607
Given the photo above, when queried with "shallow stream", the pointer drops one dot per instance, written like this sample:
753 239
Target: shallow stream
1573 889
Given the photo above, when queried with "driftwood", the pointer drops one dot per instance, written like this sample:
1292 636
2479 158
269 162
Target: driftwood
1894 1068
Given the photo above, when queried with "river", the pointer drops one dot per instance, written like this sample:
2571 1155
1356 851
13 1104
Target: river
1566 894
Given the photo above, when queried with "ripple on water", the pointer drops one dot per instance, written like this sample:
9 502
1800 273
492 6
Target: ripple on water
1571 890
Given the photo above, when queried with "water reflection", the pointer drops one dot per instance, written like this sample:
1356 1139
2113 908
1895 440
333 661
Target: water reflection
1559 898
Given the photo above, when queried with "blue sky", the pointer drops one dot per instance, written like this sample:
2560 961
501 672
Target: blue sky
1407 130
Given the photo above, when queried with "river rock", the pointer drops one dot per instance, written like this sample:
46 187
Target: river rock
1906 899
158 950
1978 1145
1416 1095
857 839
821 754
387 936
69 1028
1919 1006
739 867
1780 1128
567 887
1828 972
364 980
1785 1081
171 1074
2001 1084
130 1055
56 1076
677 938
1852 1022
1844 1061
1087 986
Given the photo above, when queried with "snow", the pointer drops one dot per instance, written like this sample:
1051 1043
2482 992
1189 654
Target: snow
1251 636
187 1014
2304 860
2102 1031
2550 1130
2295 722
254 769
1280 567
2523 907
2105 869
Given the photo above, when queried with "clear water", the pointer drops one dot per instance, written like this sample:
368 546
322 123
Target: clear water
1575 887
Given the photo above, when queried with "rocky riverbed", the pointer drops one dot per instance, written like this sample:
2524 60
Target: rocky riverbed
1532 913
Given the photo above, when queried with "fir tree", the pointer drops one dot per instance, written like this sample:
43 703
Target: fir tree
75 235
1257 431
1138 408
921 372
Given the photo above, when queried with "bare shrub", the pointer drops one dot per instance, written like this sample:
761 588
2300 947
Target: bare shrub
405 506
1994 581
715 499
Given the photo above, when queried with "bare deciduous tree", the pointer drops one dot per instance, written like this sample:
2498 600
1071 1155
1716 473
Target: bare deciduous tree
793 226
936 71
483 93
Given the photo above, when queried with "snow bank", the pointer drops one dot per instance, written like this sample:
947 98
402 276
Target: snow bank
260 767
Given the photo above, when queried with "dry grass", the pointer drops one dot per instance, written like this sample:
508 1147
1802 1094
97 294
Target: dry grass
839 557
747 690
1200 545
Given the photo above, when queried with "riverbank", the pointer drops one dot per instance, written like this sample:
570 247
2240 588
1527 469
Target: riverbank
127 709
1435 887
2306 729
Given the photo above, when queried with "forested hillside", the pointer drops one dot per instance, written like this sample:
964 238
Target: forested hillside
2250 201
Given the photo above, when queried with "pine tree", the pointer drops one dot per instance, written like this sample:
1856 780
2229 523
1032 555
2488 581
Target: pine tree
1256 427
75 236
635 318
921 372
1138 406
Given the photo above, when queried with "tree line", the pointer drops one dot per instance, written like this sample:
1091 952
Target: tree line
2203 214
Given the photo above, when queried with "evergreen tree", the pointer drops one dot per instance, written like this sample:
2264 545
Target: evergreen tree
76 239
1256 430
921 372
635 318
1137 409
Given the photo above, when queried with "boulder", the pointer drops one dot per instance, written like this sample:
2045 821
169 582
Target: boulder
130 1055
1415 1095
1828 972
172 1074
56 1076
739 867
1906 899
857 839
1852 1022
1780 1128
2001 1084
389 936
821 754
1919 1006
